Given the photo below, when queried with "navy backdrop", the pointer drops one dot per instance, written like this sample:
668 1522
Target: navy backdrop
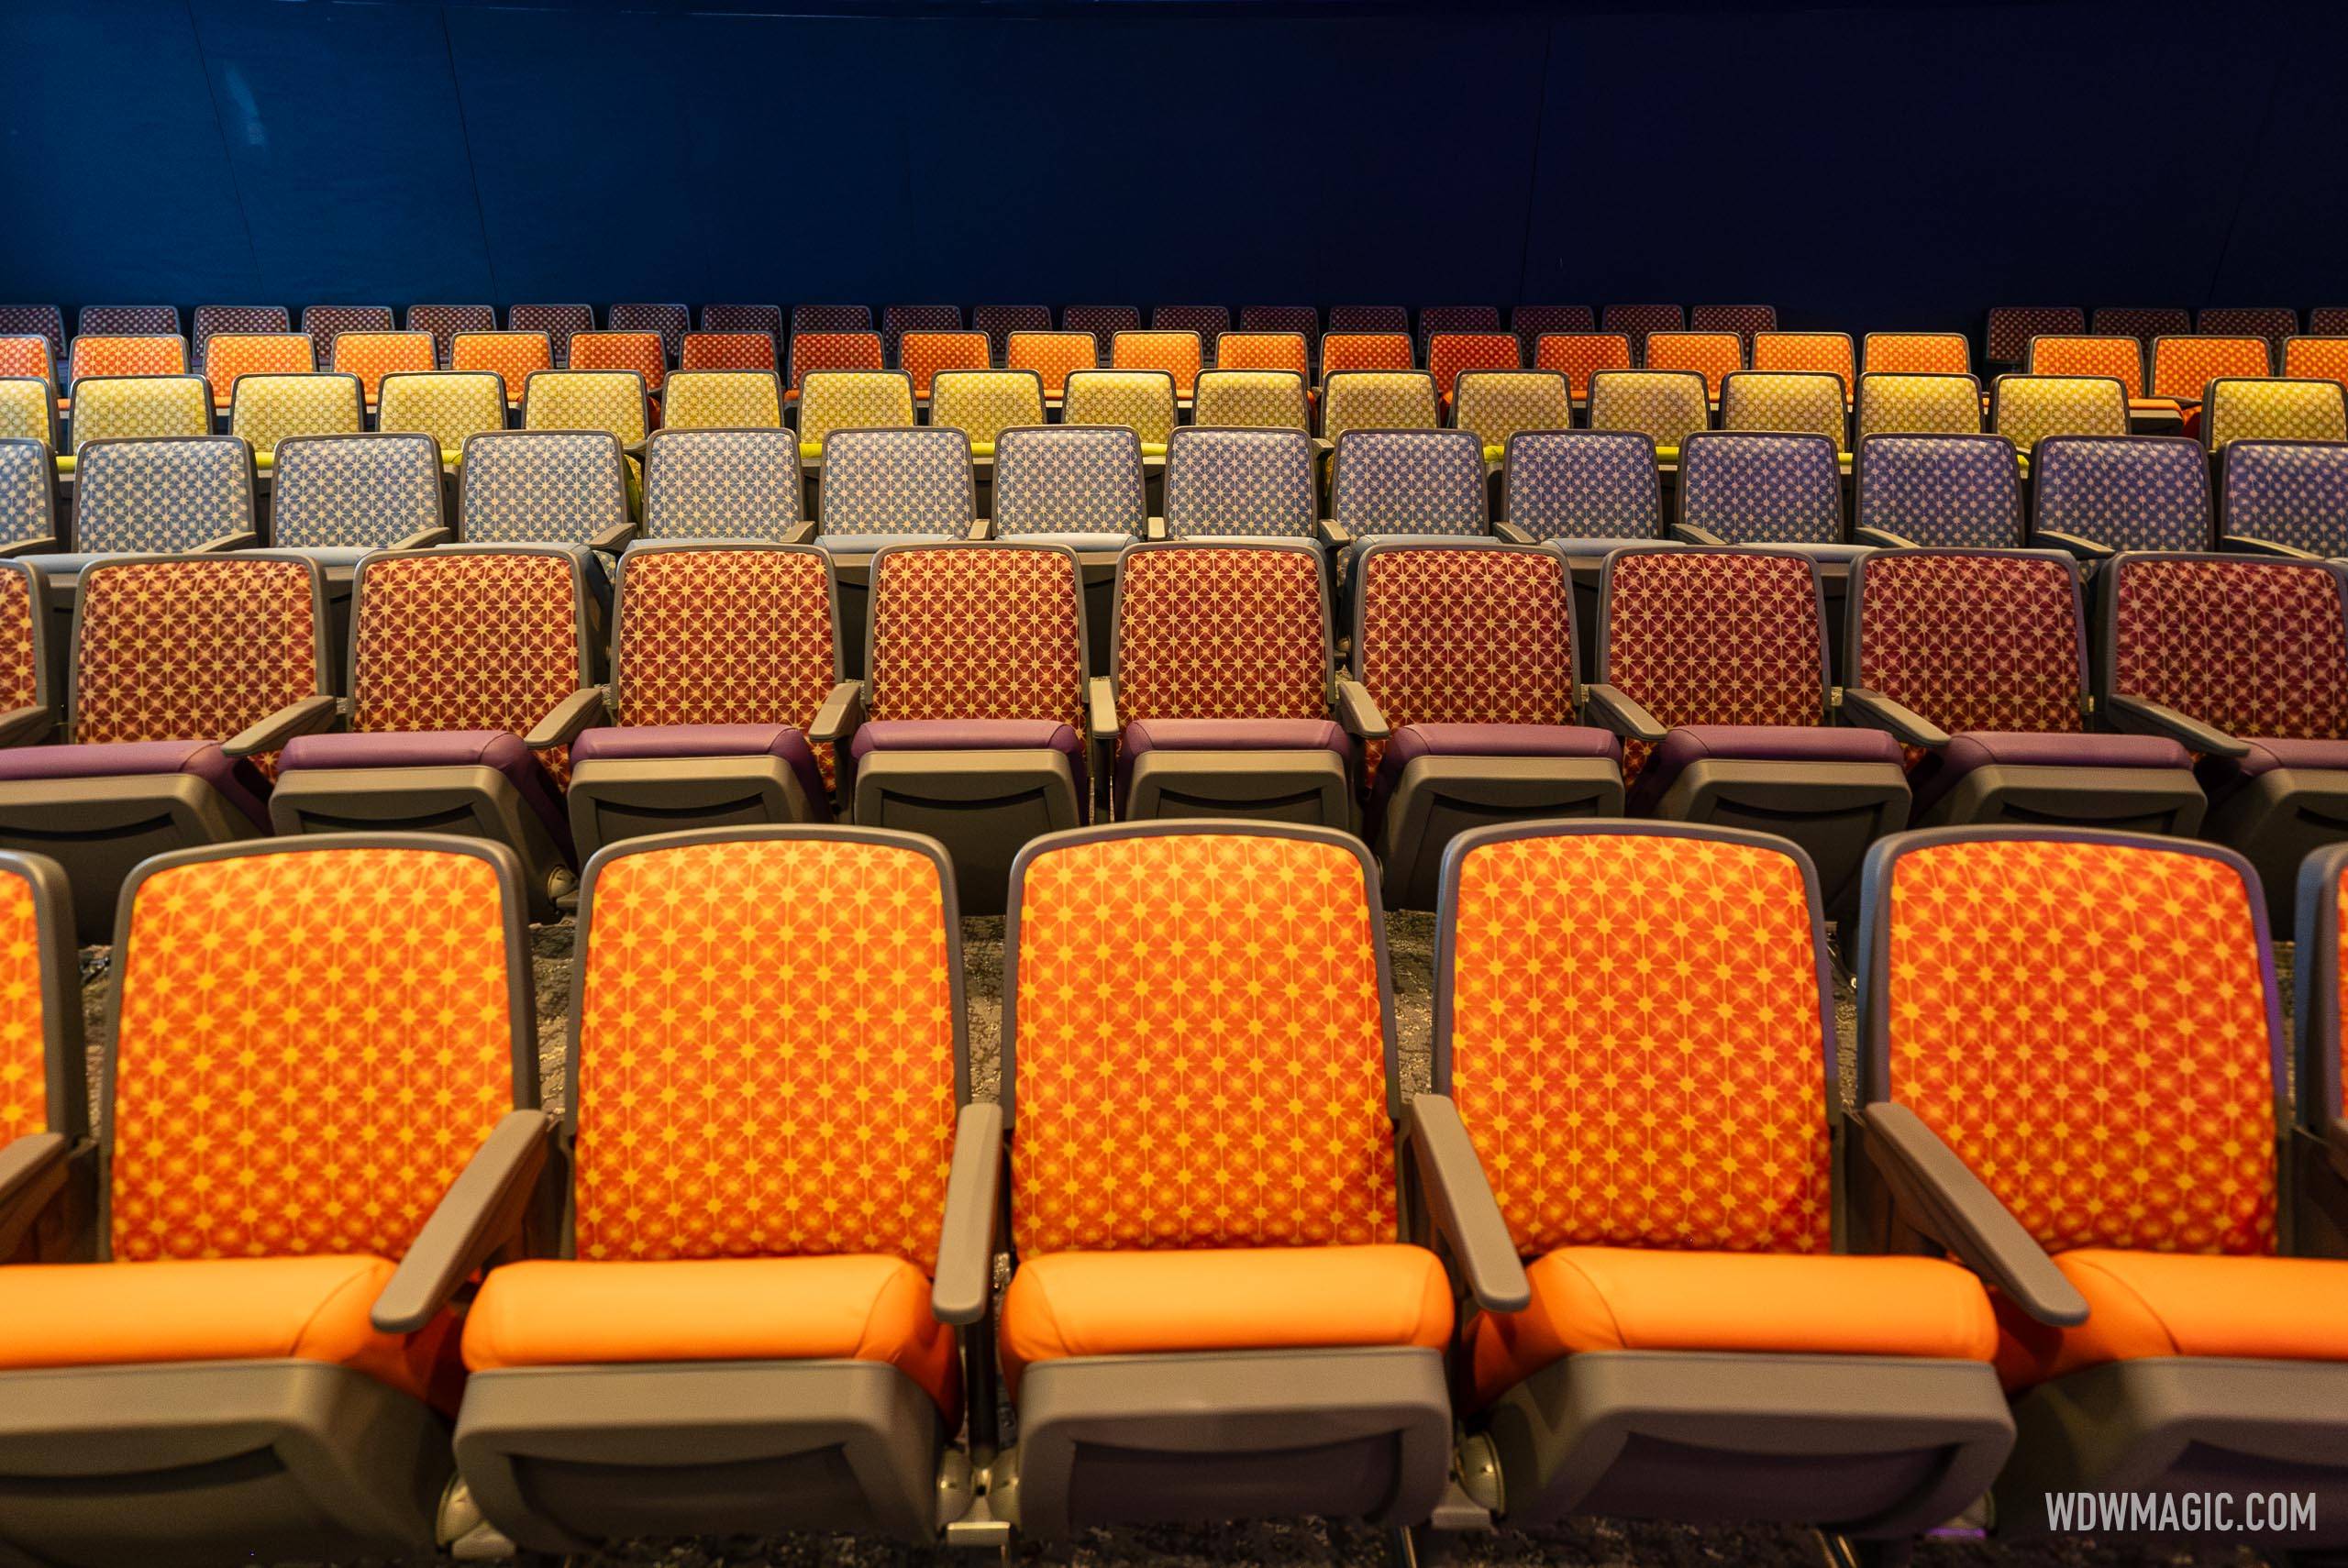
1876 166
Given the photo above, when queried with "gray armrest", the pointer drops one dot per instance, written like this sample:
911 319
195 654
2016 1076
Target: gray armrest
424 539
1884 537
1357 710
800 533
1333 534
1459 1200
1101 708
2138 716
22 726
1937 1194
2251 544
227 542
32 1172
1875 711
842 711
1689 533
2086 549
479 1215
44 546
1154 530
571 715
1617 709
964 1286
1511 534
307 717
981 530
610 541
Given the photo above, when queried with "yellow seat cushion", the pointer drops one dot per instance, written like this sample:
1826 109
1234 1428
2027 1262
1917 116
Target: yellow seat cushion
1078 1304
849 1307
1632 1298
2144 1304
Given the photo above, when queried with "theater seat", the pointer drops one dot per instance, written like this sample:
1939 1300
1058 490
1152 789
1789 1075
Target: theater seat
239 783
501 751
1688 745
44 1070
2143 1305
1969 755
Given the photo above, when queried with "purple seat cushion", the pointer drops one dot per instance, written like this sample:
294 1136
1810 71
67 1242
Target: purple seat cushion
1414 741
501 749
975 734
654 742
1691 744
2221 776
1145 735
237 779
1938 772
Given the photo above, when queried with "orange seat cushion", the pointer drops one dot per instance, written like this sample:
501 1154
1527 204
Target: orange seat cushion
1632 1298
2155 1303
844 1306
307 1309
1074 1304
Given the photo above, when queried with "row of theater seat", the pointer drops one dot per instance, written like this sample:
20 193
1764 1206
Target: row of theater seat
333 1284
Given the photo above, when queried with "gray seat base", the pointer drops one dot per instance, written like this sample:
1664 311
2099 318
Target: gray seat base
471 801
1439 798
2134 800
2276 820
982 805
611 798
100 828
1270 786
1834 810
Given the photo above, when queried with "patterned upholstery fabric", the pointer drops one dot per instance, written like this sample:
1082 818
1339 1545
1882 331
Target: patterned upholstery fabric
853 400
2125 493
448 406
1240 483
2012 326
28 412
1974 642
372 356
541 486
679 1156
1051 354
1259 400
112 407
1222 632
1918 406
1460 318
1451 353
459 640
613 400
977 632
2139 1112
1761 488
108 356
1917 354
2316 356
1531 323
2274 323
28 355
1178 354
512 357
2328 321
999 322
2144 322
128 321
1584 484
1304 320
1103 322
1209 321
324 323
1409 482
1666 406
269 408
1711 1134
1636 321
356 492
2184 367
152 496
921 355
1677 619
192 649
721 484
764 319
898 481
2118 357
2275 409
1825 353
1497 404
2287 492
1365 351
1369 319
897 320
1068 479
235 354
983 404
221 1150
1289 352
814 351
1142 400
671 321
726 351
1379 400
212 321
445 321
639 351
723 400
1579 356
559 323
1714 356
27 511
2025 409
1947 490
40 320
1747 321
24 1072
828 318
1259 1121
2255 647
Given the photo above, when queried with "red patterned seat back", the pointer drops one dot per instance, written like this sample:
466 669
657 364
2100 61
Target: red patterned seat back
2255 647
977 632
1974 640
1222 631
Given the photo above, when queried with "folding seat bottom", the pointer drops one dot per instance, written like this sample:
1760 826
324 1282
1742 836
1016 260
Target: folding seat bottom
1436 781
1292 770
982 787
2277 805
627 781
2140 783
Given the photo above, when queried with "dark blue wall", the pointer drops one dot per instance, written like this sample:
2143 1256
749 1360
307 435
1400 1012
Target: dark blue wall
1874 167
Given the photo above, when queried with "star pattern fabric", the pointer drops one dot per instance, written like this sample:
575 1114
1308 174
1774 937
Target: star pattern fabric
1974 642
1747 321
114 408
765 320
43 321
2254 648
2142 322
1464 636
2183 367
1101 324
1222 632
1715 356
449 406
2126 492
1304 320
557 324
324 323
367 491
977 632
726 351
1714 637
268 409
1451 354
983 404
1666 406
1493 406
897 481
1579 356
2289 491
611 400
1141 401
2086 1026
2119 357
899 322
853 400
1242 483
107 355
849 350
152 497
1288 348
1533 322
559 486
1636 1043
1053 356
28 355
1802 401
313 1043
1069 478
921 355
445 321
2012 326
24 1067
721 484
1252 400
1918 406
2273 323
1208 321
1918 354
1379 400
1452 318
1001 322
2310 358
1750 488
724 400
20 642
667 322
1952 492
1584 484
2025 409
2241 409
766 1053
1342 351
643 352
1200 1055
813 318
1636 321
28 491
372 356
1409 482
28 411
1180 355
1818 353
277 353
1369 319
128 321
